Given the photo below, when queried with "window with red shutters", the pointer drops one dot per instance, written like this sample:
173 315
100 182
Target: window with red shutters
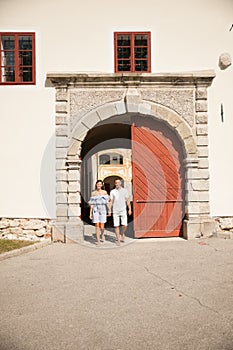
17 62
132 52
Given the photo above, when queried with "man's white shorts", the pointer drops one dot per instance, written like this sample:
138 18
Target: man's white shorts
120 218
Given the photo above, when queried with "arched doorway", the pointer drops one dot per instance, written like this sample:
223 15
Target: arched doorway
179 100
158 173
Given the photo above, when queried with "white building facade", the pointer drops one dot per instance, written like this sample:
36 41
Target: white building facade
76 86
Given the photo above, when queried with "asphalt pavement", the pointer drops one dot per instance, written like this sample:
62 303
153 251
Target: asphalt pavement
146 294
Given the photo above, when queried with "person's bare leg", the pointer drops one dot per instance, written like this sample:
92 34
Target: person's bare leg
97 230
117 231
123 229
102 231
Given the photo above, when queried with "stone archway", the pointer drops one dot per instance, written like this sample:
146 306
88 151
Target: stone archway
179 100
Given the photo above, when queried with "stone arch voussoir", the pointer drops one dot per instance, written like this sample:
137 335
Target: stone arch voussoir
148 108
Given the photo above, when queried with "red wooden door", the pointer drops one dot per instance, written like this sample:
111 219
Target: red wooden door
158 179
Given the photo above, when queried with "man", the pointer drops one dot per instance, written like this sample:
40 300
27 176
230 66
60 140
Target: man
119 197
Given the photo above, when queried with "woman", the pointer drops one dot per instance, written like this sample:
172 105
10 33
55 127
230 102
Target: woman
98 209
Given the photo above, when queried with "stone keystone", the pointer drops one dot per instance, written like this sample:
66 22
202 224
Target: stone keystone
132 96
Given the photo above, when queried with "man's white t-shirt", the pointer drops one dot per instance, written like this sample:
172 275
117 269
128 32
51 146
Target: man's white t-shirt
119 198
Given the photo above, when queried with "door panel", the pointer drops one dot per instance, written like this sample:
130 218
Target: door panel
158 179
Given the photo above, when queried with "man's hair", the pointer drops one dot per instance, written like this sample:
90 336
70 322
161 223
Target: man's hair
118 179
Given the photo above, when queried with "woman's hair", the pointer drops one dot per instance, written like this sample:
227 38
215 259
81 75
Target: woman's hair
101 182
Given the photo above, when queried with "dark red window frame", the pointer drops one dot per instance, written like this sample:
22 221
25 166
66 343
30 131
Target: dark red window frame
133 64
18 64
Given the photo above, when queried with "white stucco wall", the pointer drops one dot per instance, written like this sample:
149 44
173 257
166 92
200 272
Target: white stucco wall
78 36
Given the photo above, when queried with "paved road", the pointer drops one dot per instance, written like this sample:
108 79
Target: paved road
159 295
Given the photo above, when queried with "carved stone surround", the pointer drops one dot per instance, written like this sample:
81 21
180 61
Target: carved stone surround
83 100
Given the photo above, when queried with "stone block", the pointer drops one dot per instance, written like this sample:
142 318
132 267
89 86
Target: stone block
80 132
14 223
198 185
61 153
61 186
41 232
34 225
208 228
195 208
90 120
73 175
203 163
75 148
202 129
144 108
61 95
61 120
4 223
61 210
74 232
202 140
204 174
201 93
201 106
4 231
200 174
73 187
16 231
62 141
190 146
204 196
173 119
132 96
203 151
120 107
191 230
226 223
132 108
191 162
62 130
61 198
201 118
74 210
61 175
74 199
62 219
155 111
184 131
61 107
60 164
28 232
197 196
107 112
164 112
58 232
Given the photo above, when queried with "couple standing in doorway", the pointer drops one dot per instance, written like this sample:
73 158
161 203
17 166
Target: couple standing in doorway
101 206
